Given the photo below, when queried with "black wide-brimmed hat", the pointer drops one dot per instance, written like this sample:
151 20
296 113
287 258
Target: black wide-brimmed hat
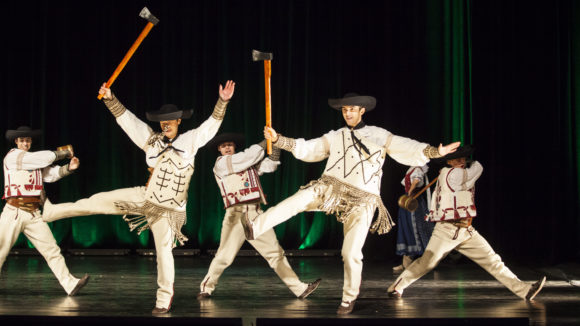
462 151
22 131
169 112
351 99
236 138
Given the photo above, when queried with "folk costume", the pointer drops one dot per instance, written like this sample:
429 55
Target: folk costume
24 176
452 209
237 177
349 187
413 231
159 206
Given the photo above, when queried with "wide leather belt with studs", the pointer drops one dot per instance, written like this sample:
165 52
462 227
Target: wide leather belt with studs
460 223
29 204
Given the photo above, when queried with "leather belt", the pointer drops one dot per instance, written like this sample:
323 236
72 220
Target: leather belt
29 204
460 223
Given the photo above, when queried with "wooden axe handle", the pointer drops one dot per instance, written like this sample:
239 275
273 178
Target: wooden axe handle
267 75
426 187
128 56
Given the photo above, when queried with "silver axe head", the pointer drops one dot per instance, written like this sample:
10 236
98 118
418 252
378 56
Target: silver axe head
260 56
145 13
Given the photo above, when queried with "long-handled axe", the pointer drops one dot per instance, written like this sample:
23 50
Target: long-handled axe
151 21
267 58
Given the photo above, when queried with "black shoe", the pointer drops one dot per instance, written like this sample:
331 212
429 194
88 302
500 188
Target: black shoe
158 310
345 308
247 225
535 289
82 282
311 287
203 295
395 294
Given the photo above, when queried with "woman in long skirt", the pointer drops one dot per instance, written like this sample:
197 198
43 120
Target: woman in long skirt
413 232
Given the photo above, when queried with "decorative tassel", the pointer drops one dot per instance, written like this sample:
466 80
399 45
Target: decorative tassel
148 214
340 199
135 222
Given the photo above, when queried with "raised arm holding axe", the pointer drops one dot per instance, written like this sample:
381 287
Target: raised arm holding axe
151 21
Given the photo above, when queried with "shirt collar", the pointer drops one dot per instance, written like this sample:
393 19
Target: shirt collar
360 125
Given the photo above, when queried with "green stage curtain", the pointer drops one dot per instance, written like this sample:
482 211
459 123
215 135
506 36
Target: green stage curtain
197 46
502 75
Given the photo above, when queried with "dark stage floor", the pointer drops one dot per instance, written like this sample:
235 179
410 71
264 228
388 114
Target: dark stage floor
122 290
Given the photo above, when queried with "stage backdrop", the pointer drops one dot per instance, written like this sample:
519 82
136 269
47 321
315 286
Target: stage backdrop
500 75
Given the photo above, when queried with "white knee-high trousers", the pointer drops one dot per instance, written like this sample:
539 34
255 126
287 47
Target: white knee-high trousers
104 203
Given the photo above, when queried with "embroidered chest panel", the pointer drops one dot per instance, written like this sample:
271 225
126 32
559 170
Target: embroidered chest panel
170 181
22 183
350 162
450 204
240 187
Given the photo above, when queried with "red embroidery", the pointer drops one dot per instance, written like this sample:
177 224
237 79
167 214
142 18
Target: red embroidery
447 179
408 180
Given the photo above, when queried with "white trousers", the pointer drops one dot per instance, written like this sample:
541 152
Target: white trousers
472 245
14 221
104 203
355 231
231 240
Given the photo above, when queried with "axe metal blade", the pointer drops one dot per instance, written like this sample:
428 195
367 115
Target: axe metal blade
259 56
145 13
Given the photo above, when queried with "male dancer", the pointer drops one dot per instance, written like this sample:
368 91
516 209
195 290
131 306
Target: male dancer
453 208
350 184
24 174
160 206
237 176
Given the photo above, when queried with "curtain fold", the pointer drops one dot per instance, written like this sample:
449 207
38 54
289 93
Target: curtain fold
571 117
449 43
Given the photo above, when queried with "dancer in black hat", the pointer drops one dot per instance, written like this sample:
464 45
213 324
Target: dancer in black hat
238 177
350 184
24 175
452 209
159 206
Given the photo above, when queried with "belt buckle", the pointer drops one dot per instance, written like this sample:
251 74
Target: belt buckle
29 207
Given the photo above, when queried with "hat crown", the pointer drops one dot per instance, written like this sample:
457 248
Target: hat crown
235 137
22 131
168 108
231 136
168 112
461 151
352 99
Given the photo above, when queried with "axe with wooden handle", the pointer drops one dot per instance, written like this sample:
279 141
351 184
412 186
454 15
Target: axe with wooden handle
410 202
267 58
151 21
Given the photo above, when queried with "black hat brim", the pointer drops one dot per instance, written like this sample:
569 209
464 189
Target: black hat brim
158 116
13 134
367 102
236 138
462 151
